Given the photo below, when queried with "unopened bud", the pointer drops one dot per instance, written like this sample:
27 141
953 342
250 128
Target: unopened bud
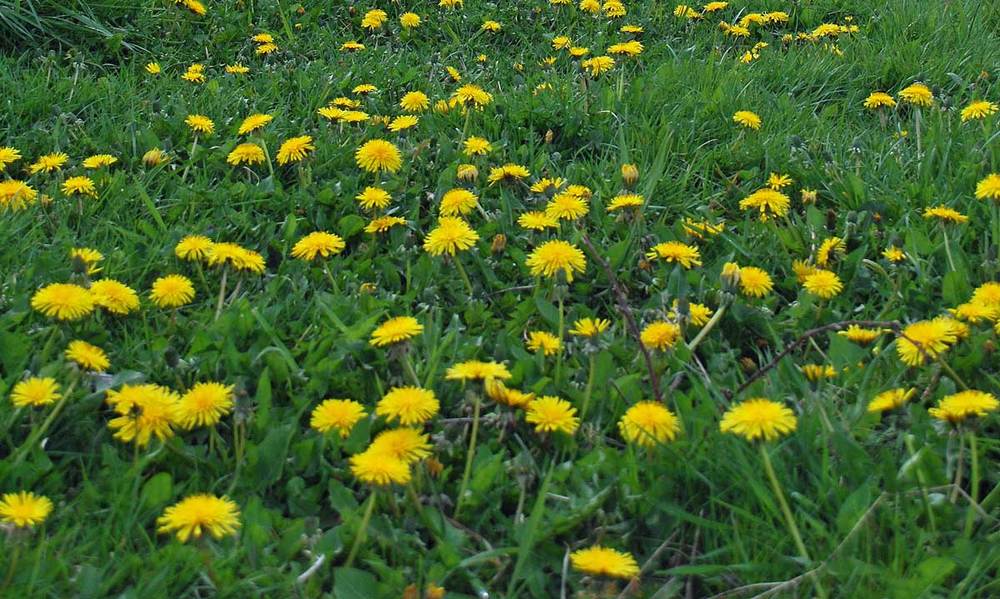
630 174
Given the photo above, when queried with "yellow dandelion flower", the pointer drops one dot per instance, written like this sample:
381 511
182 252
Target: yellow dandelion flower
200 124
566 206
660 335
758 419
547 343
979 110
144 411
193 247
451 235
649 424
114 296
917 94
383 224
198 514
477 146
589 327
958 407
768 202
624 201
890 400
553 257
415 101
318 243
476 370
925 339
248 153
747 119
63 301
395 330
754 282
79 185
860 335
823 283
295 149
172 291
34 392
205 404
377 468
406 444
408 405
87 356
337 415
552 414
254 122
48 163
602 561
675 251
458 202
24 509
876 100
989 188
378 155
945 214
409 20
99 161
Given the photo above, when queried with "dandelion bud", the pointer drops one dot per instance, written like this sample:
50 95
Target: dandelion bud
467 172
433 466
630 174
433 591
154 157
440 107
730 276
367 288
411 592
549 135
989 347
808 196
499 243
748 365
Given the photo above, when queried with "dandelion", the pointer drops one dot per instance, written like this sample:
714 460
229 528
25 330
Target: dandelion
414 102
401 123
500 393
237 69
758 419
824 284
318 243
396 330
876 100
602 561
556 256
383 224
660 335
859 335
649 424
35 392
747 119
154 157
197 514
675 251
377 468
697 314
471 93
925 339
754 282
295 149
598 65
589 327
893 254
374 19
254 123
536 221
48 163
193 247
978 110
63 301
248 153
114 296
205 404
458 202
200 124
477 146
24 509
890 400
144 411
406 444
830 248
818 372
231 254
917 94
87 356
989 188
768 202
508 173
8 155
451 235
541 341
624 201
408 405
98 161
958 407
79 185
552 414
172 291
566 206
338 415
378 155
476 370
409 20
945 214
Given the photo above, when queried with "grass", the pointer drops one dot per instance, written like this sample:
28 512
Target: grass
873 498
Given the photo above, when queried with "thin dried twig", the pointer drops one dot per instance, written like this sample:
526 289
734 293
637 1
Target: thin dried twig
626 312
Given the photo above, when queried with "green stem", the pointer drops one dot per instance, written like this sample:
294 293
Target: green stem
187 167
559 352
787 512
959 469
947 248
970 516
921 479
13 566
408 367
954 376
222 293
465 277
267 155
360 537
590 386
708 327
333 282
470 454
38 432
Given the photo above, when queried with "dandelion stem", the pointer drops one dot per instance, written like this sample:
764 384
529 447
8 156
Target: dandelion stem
921 480
362 530
470 454
13 566
187 167
408 367
959 469
465 277
708 327
333 282
954 375
222 293
559 352
590 385
38 432
787 512
970 516
947 248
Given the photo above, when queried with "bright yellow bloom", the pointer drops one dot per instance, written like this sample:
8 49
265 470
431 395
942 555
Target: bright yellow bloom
989 188
660 335
541 341
451 235
893 254
205 404
758 418
471 93
601 561
476 370
552 414
675 251
877 100
237 69
823 283
589 327
114 296
193 247
408 405
200 123
747 119
395 330
48 163
384 223
295 149
318 243
63 301
406 444
926 339
87 356
956 408
254 122
34 392
754 282
598 65
172 291
507 173
238 257
248 153
648 424
16 195
536 221
556 256
458 202
377 468
860 335
99 161
401 123
414 102
79 185
144 411
945 214
917 94
979 110
337 415
153 68
197 514
768 202
566 206
625 200
818 372
378 155
409 20
373 198
8 155
24 509
500 393
890 400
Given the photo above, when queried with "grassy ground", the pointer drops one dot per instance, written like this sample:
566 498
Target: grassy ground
874 498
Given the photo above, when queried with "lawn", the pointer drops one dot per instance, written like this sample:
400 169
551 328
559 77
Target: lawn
535 299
